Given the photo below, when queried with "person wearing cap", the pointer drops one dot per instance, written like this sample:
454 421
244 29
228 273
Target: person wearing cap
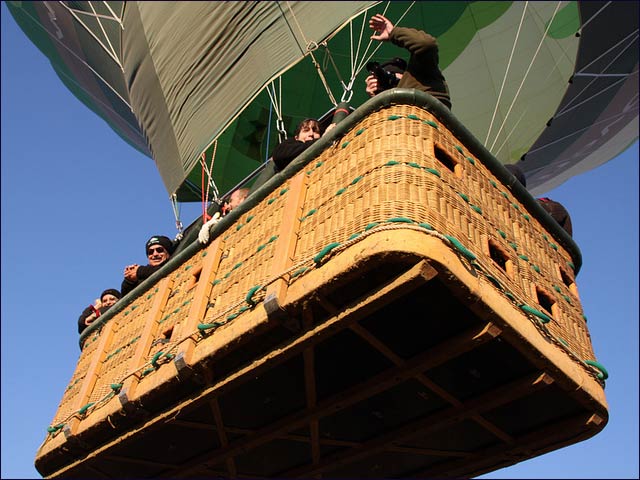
422 72
101 305
158 248
553 208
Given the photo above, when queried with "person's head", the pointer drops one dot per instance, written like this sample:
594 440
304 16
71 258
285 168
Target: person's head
109 297
308 130
158 249
237 197
379 80
396 65
517 172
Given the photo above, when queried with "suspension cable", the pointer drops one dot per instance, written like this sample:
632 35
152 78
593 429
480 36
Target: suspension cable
99 101
207 172
613 118
176 214
309 48
355 64
535 55
506 73
108 50
569 106
276 102
594 16
365 58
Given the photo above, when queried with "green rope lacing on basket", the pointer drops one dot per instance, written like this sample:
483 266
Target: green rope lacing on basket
603 375
299 272
55 428
309 213
464 197
400 220
157 356
544 318
249 297
203 327
318 258
454 241
86 407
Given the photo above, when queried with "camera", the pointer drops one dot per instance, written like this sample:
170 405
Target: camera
386 79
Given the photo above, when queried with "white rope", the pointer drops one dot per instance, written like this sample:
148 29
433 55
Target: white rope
176 214
110 51
535 55
72 80
523 114
600 92
506 73
633 36
593 17
309 47
276 102
632 41
612 118
369 57
209 171
113 50
106 4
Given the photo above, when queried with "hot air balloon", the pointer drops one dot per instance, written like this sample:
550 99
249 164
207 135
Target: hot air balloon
178 364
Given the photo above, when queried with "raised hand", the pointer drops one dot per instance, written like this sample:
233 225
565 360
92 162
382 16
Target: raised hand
382 26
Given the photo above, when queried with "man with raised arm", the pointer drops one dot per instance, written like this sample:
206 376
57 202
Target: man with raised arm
422 71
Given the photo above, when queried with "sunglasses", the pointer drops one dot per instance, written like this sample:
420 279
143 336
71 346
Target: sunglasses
152 250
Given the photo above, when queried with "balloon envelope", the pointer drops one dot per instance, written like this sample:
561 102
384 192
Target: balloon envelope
551 85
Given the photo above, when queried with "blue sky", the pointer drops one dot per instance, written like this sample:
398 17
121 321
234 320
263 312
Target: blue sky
78 204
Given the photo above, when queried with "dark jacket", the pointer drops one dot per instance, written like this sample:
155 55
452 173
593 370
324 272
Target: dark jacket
144 272
85 313
558 212
288 150
423 72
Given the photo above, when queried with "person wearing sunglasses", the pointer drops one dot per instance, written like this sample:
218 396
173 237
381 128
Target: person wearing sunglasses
158 248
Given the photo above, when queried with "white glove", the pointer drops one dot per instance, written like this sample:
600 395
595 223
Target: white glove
203 234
